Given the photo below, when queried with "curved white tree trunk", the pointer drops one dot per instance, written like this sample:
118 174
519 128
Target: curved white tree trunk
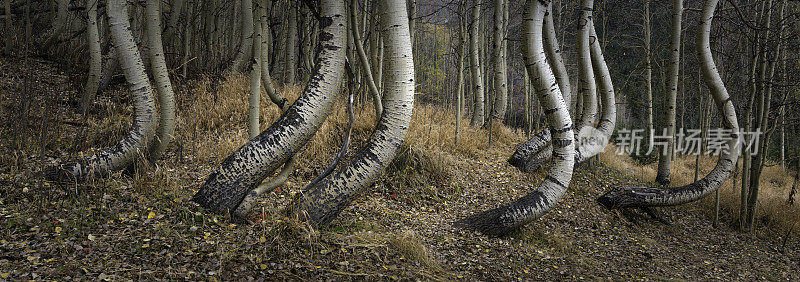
536 151
252 163
506 218
528 158
166 97
136 142
627 197
95 57
665 159
321 203
608 114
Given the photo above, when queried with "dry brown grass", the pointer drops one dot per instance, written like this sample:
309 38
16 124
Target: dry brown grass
776 182
407 244
212 124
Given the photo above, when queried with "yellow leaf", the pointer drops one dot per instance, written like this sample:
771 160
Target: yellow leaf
145 246
151 215
263 266
58 229
4 275
263 239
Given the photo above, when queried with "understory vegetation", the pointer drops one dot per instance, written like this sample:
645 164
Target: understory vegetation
477 140
143 226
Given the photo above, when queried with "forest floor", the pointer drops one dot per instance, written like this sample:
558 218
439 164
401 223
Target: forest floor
143 226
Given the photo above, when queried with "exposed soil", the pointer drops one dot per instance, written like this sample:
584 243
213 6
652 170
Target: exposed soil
145 227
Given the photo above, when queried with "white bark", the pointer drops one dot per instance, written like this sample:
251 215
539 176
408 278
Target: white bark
255 79
135 143
325 200
509 217
250 199
95 57
537 151
243 170
500 74
166 97
587 87
665 159
475 66
554 57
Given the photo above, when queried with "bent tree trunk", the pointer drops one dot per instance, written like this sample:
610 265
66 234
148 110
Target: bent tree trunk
590 142
537 151
136 142
665 159
533 153
321 203
509 217
166 97
243 170
636 197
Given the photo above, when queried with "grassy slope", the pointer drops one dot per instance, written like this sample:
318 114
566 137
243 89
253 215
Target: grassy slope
142 227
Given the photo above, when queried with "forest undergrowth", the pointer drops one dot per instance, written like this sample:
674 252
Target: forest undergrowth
141 224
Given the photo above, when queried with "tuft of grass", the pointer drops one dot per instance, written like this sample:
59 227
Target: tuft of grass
408 245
